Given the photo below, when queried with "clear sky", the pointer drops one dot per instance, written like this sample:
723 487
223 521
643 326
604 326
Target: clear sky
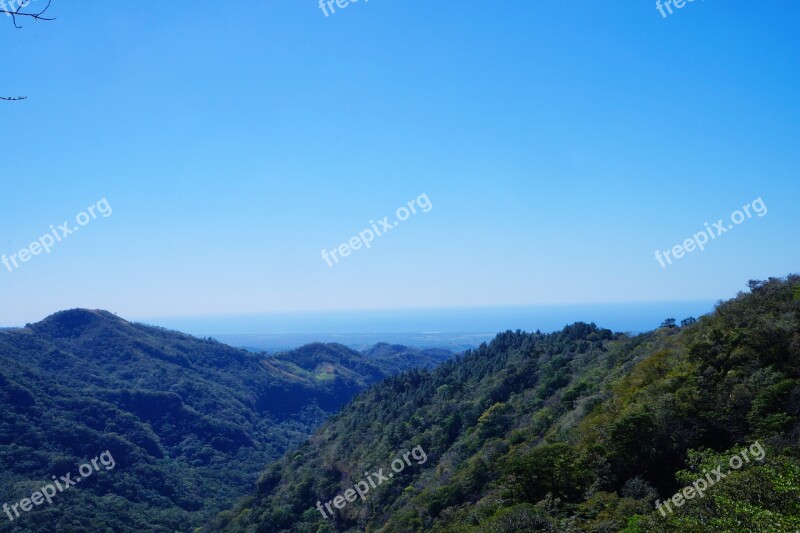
560 145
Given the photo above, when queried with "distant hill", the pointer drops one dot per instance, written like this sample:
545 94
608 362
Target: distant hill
582 430
275 342
395 355
190 422
373 364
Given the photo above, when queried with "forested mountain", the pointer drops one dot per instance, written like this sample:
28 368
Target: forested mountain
190 422
322 362
395 355
579 430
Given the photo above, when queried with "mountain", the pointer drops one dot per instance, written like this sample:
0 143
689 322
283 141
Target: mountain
396 355
578 430
324 361
188 422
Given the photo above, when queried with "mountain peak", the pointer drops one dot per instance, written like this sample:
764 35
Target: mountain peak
74 322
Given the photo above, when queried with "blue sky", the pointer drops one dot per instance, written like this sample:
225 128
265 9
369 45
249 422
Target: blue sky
560 144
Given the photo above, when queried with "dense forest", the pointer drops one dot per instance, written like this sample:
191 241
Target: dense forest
579 430
190 422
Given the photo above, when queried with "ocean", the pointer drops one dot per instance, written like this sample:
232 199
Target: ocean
452 328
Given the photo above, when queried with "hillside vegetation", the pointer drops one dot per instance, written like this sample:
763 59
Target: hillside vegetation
578 430
190 422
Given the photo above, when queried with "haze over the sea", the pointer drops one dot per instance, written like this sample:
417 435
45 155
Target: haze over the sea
448 327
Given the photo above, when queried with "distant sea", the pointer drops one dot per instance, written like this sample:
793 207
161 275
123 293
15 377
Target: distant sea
453 328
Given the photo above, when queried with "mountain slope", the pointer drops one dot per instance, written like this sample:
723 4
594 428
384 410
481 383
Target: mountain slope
327 361
579 430
190 422
396 354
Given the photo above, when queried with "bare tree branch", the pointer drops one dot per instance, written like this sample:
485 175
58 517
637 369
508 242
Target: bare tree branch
18 12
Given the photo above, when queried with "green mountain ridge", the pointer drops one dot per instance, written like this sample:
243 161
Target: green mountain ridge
190 422
578 430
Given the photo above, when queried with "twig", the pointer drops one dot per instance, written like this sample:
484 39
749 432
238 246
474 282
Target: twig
14 13
19 13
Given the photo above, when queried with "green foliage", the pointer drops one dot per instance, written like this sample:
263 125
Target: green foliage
495 420
759 497
553 469
579 430
190 422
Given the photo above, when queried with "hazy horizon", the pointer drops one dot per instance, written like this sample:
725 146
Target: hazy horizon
627 317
